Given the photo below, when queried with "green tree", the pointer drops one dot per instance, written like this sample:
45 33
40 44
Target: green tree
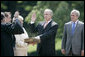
61 10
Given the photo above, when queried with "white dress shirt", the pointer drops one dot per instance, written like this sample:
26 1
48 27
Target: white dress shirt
20 39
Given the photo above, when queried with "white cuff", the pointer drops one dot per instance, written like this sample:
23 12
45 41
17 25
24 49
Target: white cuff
38 37
32 22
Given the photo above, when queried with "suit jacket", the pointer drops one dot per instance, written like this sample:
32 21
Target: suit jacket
7 37
47 36
76 41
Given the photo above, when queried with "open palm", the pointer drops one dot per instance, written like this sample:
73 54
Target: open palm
33 18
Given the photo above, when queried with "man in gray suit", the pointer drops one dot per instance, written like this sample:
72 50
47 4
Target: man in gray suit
73 38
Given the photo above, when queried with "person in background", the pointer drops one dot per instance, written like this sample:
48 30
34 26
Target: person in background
73 38
20 46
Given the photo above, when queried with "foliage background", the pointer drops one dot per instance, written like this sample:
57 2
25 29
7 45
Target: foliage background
61 11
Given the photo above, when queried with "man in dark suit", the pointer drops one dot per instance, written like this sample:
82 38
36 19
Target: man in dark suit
7 31
73 38
46 33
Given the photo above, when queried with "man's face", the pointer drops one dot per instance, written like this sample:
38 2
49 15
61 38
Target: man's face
47 15
16 14
8 19
74 17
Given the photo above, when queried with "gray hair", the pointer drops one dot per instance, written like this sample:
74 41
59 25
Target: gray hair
20 17
76 12
2 15
51 12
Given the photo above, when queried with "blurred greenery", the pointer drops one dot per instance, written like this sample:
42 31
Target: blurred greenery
24 7
61 11
61 15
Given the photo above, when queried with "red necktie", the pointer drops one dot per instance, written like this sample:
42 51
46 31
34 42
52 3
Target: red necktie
45 25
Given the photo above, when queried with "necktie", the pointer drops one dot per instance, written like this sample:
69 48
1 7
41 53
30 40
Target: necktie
73 28
45 24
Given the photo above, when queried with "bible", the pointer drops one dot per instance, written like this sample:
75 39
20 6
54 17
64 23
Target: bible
31 40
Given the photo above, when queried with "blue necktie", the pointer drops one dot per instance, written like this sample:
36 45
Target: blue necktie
73 28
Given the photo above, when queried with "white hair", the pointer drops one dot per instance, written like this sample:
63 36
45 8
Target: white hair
20 17
51 12
76 12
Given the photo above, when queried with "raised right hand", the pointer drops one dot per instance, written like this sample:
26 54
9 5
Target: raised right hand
33 18
16 14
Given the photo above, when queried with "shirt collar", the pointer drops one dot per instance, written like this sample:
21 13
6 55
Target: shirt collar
49 21
75 22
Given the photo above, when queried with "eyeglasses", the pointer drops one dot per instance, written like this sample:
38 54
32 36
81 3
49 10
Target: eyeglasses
72 15
47 14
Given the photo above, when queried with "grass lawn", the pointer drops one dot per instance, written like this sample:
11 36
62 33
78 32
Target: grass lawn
32 49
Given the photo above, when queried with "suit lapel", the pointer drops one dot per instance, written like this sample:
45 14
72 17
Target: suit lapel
48 26
70 28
